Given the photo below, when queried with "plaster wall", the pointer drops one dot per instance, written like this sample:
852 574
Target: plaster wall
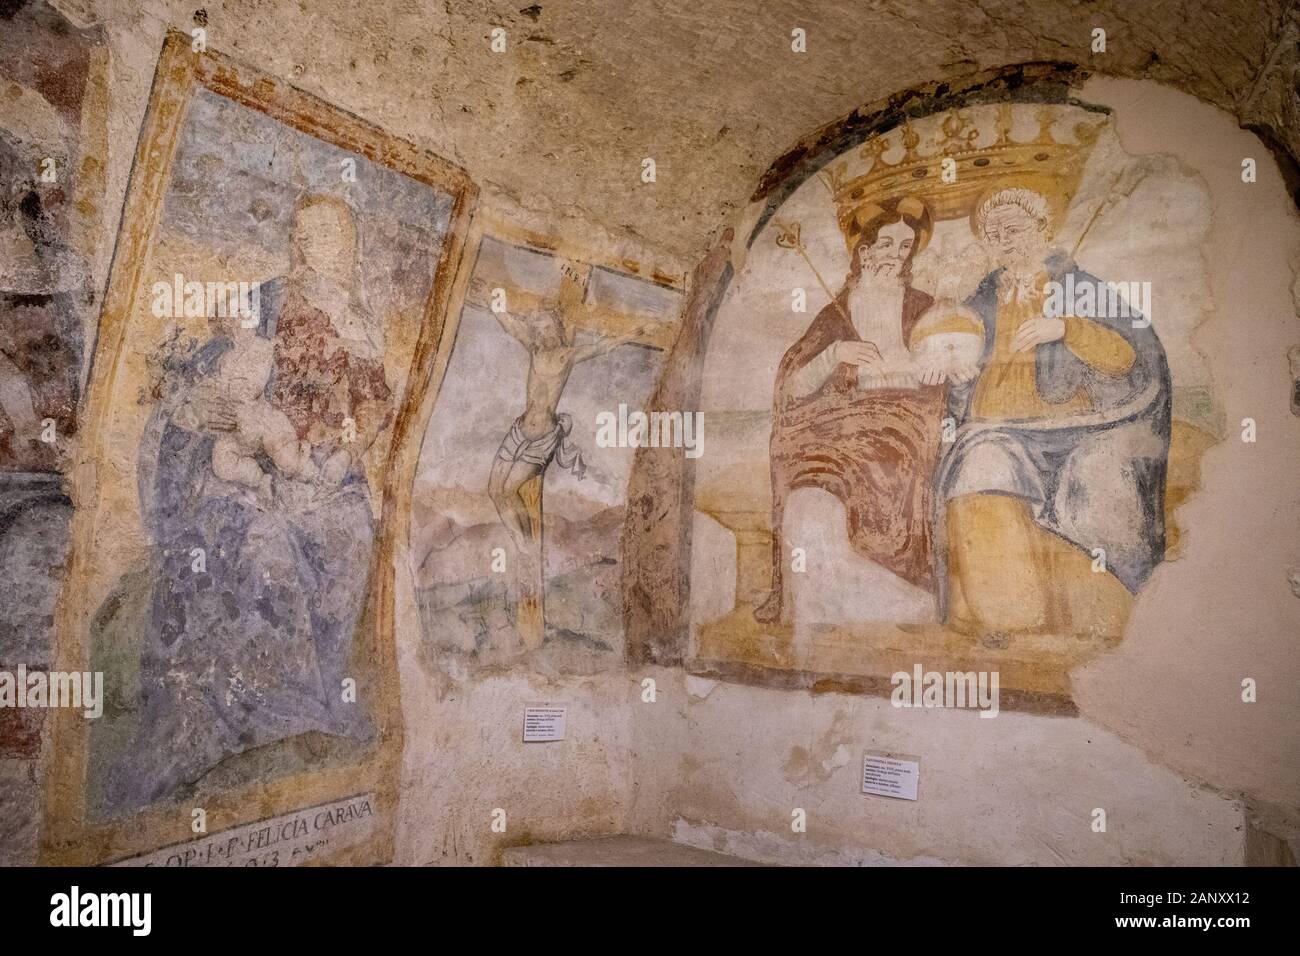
1163 741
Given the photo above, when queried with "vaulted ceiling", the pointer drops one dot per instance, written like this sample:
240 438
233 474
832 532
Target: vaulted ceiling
556 128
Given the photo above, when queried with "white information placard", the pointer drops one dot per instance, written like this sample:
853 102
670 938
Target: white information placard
887 775
543 723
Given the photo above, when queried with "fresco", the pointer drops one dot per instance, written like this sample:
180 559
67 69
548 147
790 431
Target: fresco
246 414
47 211
518 509
52 137
975 443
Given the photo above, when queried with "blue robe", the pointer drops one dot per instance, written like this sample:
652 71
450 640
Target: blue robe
253 649
1095 478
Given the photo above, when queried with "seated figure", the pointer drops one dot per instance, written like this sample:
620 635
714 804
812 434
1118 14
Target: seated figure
855 416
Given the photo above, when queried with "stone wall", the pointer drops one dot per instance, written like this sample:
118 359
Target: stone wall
554 132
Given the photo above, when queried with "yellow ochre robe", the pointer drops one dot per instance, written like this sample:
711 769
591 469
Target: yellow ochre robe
1006 571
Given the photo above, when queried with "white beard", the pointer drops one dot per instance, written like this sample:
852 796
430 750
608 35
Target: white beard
1025 263
876 311
1020 280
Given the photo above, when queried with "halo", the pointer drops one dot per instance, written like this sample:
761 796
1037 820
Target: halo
910 206
1054 209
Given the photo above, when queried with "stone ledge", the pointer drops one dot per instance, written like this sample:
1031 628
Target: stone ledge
617 851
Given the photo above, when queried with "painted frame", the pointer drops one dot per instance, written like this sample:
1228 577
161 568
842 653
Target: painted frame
67 836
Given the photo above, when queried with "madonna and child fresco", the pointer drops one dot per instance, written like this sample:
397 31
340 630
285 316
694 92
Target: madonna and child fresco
257 445
969 444
260 428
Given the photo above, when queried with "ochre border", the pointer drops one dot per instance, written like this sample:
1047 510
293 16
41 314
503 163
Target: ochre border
66 837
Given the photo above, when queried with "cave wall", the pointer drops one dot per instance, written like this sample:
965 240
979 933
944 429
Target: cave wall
1156 733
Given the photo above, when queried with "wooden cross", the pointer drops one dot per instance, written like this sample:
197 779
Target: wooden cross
578 315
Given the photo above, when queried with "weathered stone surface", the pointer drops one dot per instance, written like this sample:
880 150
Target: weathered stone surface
656 589
555 130
20 792
34 526
617 851
556 127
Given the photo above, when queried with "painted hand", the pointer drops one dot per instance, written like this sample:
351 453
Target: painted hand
1038 332
964 374
215 413
336 467
856 353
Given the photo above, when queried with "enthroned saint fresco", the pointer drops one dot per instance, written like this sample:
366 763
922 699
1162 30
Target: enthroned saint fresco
1061 451
854 414
970 445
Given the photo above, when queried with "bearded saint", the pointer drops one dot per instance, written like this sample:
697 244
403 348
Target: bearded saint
1052 493
854 415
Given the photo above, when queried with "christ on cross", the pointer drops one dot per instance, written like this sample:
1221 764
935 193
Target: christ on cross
541 434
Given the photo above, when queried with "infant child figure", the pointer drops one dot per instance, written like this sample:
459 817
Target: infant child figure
261 427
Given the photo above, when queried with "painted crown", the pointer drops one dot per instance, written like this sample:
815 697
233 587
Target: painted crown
1043 164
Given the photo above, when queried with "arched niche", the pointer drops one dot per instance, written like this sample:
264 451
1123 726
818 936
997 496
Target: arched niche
700 535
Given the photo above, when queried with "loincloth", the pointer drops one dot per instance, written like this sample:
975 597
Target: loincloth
539 451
